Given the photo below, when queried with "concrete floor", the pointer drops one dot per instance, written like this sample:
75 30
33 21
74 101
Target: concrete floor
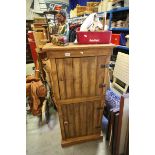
46 139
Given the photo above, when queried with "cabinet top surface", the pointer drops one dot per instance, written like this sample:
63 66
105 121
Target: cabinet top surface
51 47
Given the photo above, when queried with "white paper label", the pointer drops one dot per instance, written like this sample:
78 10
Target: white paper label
67 54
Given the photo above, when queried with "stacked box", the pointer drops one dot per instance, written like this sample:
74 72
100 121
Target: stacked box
80 10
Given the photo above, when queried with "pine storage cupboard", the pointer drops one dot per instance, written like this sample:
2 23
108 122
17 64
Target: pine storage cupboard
78 75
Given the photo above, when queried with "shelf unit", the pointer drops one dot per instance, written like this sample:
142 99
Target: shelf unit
116 29
119 29
111 16
120 9
123 47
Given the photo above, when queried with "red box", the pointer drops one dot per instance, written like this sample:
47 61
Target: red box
115 39
32 46
94 37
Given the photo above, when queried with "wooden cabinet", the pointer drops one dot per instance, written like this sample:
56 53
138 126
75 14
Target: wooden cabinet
79 75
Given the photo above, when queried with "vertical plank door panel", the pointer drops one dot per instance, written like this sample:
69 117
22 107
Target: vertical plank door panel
77 118
92 75
90 118
97 123
71 119
77 76
83 119
69 78
85 77
65 120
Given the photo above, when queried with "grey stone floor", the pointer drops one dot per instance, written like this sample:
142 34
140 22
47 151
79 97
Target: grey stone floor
46 140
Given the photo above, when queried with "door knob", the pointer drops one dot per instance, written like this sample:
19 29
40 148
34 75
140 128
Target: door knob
65 123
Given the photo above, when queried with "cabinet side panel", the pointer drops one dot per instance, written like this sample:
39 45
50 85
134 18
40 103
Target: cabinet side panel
55 79
61 78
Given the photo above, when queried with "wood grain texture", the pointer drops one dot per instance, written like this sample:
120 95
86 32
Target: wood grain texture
64 119
69 78
54 79
90 118
75 79
77 119
92 75
71 122
100 111
85 76
47 69
106 76
71 46
115 128
81 139
39 37
100 74
61 77
119 125
77 76
77 53
80 100
97 123
64 131
83 119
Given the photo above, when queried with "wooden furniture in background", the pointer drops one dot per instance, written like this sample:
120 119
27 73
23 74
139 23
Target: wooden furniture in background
118 128
79 78
29 57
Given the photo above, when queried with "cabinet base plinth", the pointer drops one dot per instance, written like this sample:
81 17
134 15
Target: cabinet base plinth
78 140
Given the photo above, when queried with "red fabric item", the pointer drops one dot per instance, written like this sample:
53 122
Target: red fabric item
32 47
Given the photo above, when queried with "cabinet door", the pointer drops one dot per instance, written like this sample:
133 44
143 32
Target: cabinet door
80 77
82 119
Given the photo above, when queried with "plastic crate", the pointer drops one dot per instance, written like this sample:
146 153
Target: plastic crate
103 37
